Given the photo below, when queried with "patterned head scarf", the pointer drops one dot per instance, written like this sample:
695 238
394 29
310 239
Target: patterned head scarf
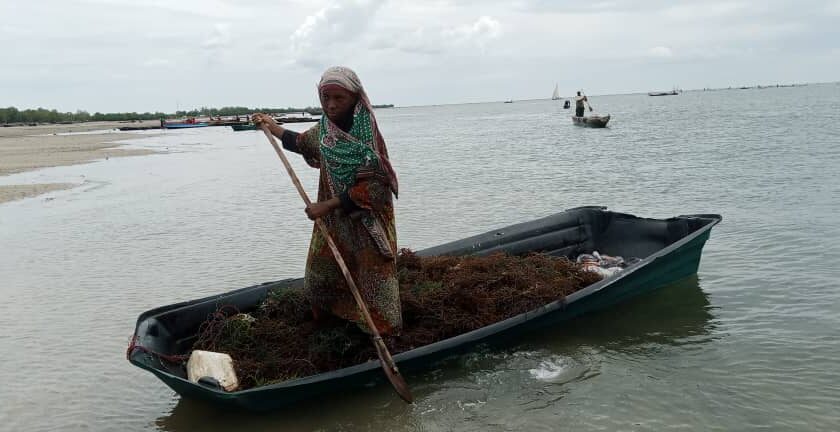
362 149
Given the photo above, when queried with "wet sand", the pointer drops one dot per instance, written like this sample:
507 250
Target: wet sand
26 148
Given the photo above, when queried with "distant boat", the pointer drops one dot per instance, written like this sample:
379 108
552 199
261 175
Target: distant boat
670 93
594 121
188 123
137 128
303 117
509 101
556 94
244 127
225 121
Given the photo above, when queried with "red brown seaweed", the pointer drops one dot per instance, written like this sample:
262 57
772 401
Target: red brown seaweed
442 296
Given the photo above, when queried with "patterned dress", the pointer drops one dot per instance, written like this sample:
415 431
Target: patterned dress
366 236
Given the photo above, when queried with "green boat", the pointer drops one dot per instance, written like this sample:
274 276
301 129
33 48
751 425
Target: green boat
244 127
669 250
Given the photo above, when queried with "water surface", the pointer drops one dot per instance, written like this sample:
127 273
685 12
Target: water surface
749 343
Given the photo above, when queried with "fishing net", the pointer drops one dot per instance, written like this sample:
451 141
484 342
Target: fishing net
441 297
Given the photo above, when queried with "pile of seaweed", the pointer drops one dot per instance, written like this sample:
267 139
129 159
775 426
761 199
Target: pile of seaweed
441 296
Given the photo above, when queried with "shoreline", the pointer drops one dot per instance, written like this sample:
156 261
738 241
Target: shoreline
28 148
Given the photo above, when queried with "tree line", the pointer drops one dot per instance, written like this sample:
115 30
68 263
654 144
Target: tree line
43 115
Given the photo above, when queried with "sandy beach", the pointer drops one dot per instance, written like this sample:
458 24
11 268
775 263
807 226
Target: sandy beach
26 148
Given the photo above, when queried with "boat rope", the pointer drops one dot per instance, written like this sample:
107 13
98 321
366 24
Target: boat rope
208 332
172 358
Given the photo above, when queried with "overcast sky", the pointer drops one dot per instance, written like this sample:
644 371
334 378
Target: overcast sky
148 55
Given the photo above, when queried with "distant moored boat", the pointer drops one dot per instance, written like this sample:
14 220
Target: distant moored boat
244 127
188 123
303 117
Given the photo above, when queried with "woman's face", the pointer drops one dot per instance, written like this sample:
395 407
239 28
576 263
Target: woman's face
337 102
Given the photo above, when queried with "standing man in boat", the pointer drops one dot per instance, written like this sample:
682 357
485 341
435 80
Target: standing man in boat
579 104
355 202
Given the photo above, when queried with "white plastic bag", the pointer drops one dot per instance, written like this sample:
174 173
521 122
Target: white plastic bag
218 366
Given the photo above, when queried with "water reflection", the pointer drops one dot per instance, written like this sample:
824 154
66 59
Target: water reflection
332 412
677 314
531 374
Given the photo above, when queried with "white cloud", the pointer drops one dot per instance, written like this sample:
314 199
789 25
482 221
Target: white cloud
219 38
661 52
157 62
515 48
462 38
707 10
328 35
11 30
419 41
483 30
206 8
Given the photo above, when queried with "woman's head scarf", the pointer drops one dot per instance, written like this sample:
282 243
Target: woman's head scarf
361 150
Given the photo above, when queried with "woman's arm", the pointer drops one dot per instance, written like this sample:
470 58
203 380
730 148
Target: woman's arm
322 208
287 138
366 194
305 144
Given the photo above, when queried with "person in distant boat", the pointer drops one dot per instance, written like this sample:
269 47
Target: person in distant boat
355 193
579 104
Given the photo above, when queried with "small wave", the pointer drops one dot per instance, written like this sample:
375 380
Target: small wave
558 369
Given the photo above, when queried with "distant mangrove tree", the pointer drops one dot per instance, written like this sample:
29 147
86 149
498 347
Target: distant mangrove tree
12 115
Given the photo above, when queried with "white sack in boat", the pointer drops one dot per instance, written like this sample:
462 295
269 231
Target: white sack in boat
212 364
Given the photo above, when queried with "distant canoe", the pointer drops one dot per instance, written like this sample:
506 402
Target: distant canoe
297 118
224 122
670 93
244 127
182 125
591 121
137 128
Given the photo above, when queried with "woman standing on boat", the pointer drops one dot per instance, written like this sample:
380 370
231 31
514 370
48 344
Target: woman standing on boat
354 201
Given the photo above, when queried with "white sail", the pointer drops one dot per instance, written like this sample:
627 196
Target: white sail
556 94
